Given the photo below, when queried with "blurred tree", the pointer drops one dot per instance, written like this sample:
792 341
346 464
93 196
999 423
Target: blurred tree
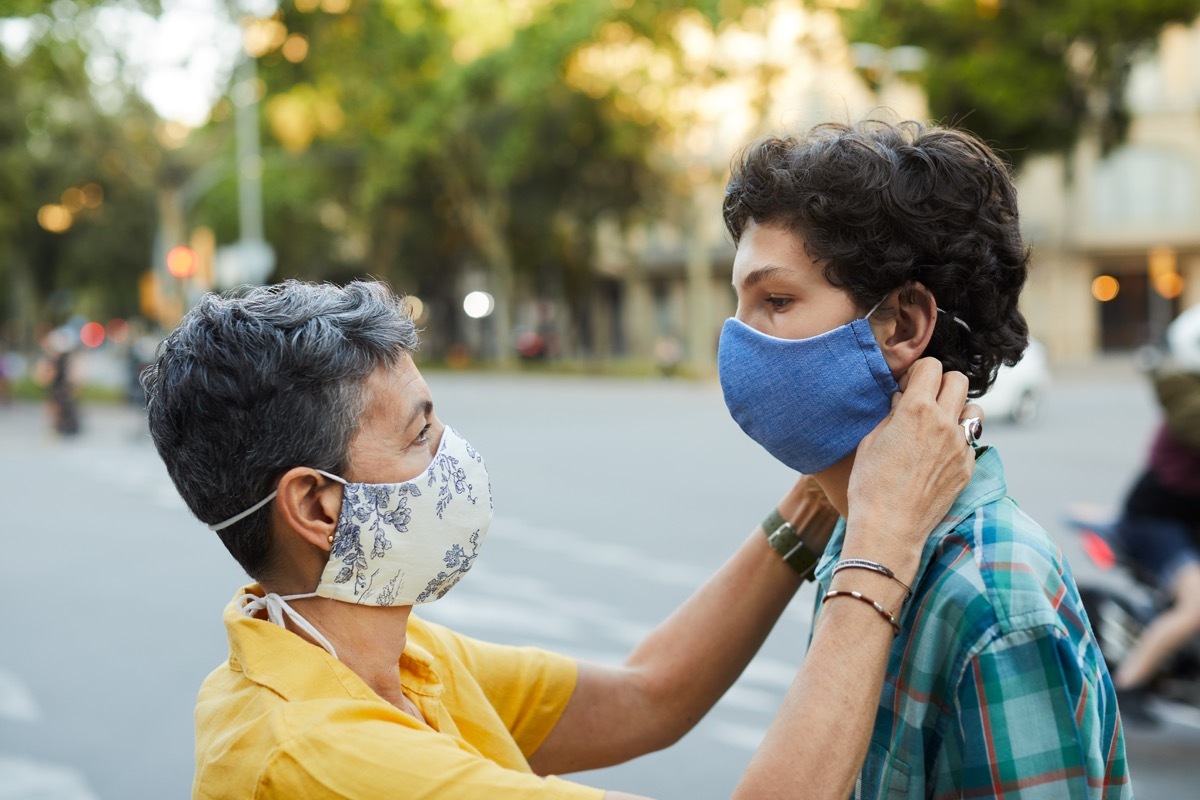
443 138
76 176
1029 76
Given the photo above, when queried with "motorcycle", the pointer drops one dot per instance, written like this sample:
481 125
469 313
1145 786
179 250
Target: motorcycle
1119 610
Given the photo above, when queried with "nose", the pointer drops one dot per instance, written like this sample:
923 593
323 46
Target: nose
740 313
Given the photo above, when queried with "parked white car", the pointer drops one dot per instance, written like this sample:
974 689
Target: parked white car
1019 390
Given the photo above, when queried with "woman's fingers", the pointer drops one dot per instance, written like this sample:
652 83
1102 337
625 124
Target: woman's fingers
908 470
971 411
953 394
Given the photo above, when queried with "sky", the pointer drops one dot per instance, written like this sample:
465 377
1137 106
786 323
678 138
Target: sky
180 62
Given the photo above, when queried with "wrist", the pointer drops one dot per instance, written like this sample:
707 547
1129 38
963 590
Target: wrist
879 542
800 538
798 529
890 593
789 544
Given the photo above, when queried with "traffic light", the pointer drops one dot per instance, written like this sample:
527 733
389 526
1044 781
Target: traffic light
181 261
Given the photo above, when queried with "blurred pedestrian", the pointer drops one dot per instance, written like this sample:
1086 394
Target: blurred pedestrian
5 379
860 250
294 422
56 373
668 353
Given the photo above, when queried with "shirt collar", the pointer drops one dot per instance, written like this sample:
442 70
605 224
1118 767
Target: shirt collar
987 484
296 669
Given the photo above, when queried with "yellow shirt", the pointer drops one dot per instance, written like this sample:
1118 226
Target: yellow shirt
285 719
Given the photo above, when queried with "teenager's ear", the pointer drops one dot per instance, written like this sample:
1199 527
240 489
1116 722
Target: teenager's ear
904 330
308 503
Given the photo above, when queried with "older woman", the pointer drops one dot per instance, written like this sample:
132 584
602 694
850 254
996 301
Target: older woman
294 422
860 250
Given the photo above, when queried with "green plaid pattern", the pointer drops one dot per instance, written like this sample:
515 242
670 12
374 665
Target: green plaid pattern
995 685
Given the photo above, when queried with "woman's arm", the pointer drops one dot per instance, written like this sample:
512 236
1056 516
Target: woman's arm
676 674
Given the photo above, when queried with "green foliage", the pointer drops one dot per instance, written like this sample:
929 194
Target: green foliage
1027 75
461 143
55 138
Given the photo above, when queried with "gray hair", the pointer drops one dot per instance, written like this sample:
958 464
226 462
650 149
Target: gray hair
248 387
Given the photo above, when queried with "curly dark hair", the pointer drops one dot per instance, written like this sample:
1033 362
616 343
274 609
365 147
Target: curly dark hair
880 205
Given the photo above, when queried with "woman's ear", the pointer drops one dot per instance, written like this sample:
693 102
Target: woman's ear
904 334
308 503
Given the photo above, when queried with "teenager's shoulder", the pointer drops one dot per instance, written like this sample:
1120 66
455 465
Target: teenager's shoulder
1012 566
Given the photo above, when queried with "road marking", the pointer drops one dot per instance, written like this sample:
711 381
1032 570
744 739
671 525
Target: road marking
16 701
1178 713
23 779
744 698
747 737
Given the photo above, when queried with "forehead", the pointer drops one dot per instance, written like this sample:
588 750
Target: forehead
770 251
395 390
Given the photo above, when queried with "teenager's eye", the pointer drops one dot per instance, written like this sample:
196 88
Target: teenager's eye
779 303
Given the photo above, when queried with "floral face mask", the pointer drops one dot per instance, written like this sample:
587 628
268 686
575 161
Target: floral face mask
399 543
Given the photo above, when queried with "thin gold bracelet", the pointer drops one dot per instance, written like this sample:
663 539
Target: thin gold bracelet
883 612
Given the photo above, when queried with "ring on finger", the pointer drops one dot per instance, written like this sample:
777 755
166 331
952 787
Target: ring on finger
972 429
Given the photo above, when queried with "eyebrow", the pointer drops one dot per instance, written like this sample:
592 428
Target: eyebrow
419 410
761 274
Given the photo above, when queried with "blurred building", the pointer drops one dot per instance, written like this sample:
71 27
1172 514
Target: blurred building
1116 237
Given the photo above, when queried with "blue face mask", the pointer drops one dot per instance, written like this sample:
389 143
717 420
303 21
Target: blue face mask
808 402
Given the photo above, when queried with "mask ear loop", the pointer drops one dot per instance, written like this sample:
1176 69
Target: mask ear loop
941 310
875 307
954 317
220 526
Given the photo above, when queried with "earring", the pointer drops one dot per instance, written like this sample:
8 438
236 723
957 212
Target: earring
331 538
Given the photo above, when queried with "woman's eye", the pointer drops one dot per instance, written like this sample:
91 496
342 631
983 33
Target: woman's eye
779 303
423 436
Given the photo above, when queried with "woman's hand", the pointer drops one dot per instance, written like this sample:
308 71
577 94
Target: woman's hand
908 471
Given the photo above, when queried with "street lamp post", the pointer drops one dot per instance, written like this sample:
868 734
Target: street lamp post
253 257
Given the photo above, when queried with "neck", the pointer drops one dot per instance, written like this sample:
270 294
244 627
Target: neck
368 639
835 482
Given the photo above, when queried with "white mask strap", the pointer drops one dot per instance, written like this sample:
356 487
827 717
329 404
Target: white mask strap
276 607
875 307
956 319
940 311
220 526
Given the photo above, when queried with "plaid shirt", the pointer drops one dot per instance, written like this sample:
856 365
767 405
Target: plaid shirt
995 686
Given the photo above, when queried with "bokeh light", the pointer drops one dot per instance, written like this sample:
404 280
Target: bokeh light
416 307
261 36
92 334
1169 284
73 200
478 304
295 48
1105 288
93 195
117 330
55 218
181 261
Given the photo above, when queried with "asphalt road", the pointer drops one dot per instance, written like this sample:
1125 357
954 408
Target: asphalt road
614 499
